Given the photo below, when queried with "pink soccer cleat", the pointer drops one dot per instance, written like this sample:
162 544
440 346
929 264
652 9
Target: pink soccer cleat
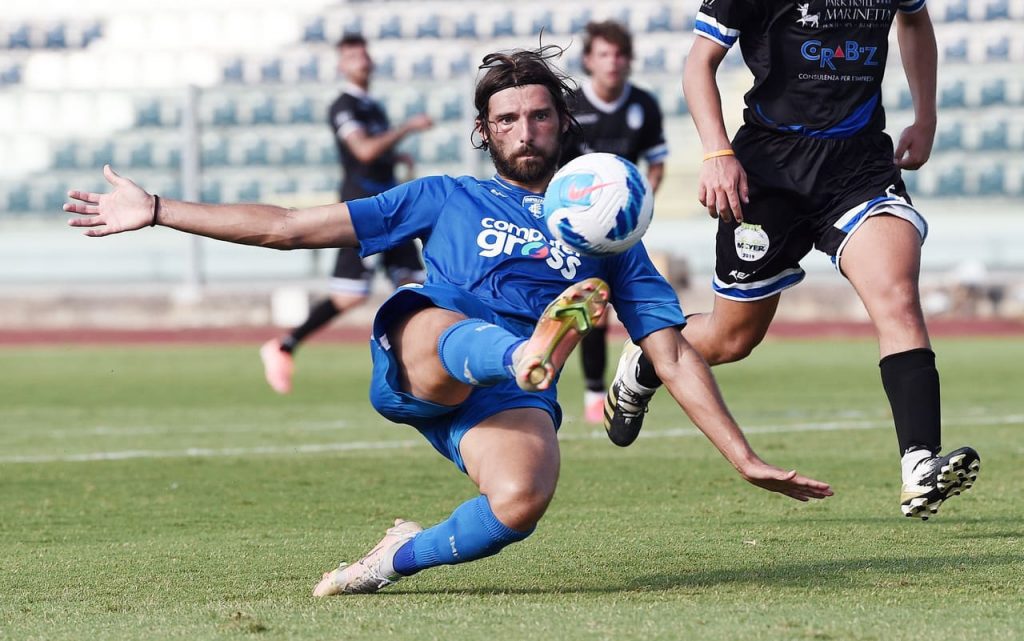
278 366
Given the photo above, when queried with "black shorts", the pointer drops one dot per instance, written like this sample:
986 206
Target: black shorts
804 193
353 275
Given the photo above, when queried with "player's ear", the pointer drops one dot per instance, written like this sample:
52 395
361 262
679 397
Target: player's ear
481 129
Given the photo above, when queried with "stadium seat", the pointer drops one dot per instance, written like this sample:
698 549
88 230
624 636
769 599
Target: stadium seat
10 76
66 156
56 37
20 38
994 93
956 11
148 115
949 138
992 181
211 191
257 153
998 51
951 182
390 28
263 112
141 156
451 108
995 137
328 154
465 27
103 155
92 32
429 26
249 192
234 72
543 22
301 111
18 200
214 151
270 71
226 113
294 153
309 71
315 31
954 95
660 20
580 19
447 150
955 51
504 25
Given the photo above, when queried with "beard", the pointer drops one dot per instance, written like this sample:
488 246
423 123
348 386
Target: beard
525 172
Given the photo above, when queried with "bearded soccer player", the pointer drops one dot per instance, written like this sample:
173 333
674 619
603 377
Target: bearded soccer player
620 118
812 167
470 357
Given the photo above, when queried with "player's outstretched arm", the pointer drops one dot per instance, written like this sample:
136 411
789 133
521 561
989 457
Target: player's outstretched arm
689 380
128 207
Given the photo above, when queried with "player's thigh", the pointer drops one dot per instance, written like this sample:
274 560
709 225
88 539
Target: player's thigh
414 339
514 455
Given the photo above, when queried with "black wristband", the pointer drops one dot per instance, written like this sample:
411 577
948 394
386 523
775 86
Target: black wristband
156 210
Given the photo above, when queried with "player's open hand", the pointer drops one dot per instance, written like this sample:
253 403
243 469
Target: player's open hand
722 188
125 208
790 483
915 146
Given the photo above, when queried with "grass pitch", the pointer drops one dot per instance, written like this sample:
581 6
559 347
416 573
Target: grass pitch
166 493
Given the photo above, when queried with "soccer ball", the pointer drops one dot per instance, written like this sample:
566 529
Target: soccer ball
599 204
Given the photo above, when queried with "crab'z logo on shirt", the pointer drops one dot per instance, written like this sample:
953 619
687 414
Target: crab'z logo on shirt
827 56
500 237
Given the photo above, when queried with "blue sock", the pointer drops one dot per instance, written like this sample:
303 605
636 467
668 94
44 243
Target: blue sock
472 532
477 353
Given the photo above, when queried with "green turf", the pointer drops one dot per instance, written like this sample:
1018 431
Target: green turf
658 541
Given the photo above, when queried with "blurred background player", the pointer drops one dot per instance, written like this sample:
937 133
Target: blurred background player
366 147
619 118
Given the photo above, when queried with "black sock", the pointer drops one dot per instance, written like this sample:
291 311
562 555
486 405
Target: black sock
320 315
594 353
645 374
912 384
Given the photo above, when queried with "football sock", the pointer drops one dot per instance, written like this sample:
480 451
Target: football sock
472 532
320 315
645 374
594 352
912 384
478 353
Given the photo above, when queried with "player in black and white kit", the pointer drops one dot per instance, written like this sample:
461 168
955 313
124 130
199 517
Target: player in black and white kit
812 167
366 146
619 118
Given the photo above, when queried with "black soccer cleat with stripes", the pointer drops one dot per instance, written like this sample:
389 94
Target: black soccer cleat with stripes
937 478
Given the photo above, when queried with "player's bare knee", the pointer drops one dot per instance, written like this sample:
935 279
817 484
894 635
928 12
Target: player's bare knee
733 348
520 503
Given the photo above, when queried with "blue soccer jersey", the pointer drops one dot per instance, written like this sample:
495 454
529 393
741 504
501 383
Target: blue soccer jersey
488 238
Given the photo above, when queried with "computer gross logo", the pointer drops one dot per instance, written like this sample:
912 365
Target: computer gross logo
500 237
827 56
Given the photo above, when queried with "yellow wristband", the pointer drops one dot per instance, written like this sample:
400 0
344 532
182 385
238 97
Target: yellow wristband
719 153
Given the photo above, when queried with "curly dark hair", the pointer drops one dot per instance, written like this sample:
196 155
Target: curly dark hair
523 67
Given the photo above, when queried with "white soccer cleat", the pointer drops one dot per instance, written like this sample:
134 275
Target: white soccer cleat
935 479
372 572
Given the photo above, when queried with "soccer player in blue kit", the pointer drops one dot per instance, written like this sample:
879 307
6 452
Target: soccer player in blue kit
812 167
470 357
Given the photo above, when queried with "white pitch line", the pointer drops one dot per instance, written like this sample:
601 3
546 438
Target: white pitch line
320 448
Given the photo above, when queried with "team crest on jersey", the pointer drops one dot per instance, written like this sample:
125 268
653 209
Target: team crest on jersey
806 19
751 242
534 205
635 116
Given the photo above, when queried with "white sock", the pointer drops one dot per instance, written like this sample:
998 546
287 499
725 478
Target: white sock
910 461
